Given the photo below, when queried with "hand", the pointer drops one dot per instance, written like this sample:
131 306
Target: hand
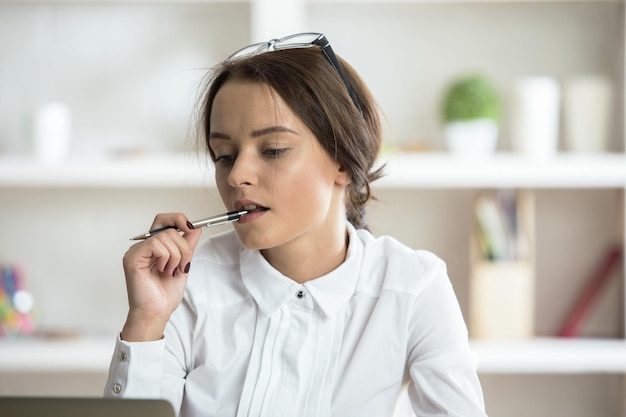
156 275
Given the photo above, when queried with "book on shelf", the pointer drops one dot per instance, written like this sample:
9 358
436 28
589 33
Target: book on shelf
501 235
15 302
588 297
502 272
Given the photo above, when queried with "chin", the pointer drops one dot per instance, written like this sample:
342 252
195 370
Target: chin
253 242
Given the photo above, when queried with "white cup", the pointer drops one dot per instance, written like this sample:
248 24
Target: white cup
53 131
535 116
587 110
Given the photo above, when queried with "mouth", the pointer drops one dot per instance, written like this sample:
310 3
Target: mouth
254 208
254 211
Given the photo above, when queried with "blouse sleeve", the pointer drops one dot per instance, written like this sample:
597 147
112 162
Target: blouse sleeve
153 369
442 372
136 369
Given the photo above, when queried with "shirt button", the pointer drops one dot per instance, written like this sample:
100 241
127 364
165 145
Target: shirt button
117 388
300 294
122 356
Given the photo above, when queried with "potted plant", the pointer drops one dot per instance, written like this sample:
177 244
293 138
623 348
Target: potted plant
470 112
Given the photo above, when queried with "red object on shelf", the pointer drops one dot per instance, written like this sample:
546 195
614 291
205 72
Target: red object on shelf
589 295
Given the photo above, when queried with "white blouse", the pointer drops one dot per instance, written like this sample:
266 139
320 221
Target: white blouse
248 341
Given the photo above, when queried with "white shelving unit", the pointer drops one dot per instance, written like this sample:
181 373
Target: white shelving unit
412 171
542 355
156 171
551 356
77 354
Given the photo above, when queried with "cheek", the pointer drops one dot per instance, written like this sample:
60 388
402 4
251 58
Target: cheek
222 184
305 191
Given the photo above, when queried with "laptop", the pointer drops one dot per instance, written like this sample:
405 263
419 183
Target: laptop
83 407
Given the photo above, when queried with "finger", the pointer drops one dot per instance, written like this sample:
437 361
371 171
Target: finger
177 220
145 254
175 246
187 245
181 250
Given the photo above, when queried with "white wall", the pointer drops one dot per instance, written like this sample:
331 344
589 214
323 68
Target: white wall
128 71
409 51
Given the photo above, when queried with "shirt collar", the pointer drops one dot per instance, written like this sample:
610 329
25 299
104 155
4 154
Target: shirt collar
271 289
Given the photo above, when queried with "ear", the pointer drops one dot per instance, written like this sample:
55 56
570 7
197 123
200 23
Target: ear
342 178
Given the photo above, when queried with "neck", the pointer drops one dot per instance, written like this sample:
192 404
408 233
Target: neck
303 262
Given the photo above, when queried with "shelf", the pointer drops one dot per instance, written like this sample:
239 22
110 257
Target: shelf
551 356
440 170
419 170
155 171
77 354
545 356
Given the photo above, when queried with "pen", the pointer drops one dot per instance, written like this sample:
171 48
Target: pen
229 217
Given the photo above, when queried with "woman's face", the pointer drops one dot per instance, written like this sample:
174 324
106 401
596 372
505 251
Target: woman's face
268 162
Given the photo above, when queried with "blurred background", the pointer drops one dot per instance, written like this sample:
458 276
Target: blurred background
96 136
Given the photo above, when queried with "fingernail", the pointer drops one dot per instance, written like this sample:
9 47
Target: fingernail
189 225
175 271
187 268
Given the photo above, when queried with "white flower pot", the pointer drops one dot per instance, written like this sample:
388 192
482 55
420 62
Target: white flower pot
474 137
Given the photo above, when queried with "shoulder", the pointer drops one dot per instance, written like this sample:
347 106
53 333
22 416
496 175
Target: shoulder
391 265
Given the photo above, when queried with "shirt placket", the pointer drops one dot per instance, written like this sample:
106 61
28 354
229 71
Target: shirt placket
274 378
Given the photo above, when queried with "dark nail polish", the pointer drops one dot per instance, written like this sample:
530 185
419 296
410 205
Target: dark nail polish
187 268
175 271
189 225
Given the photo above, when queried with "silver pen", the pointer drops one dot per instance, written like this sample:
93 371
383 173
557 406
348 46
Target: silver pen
229 217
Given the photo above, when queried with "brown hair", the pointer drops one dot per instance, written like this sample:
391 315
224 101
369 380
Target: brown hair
314 91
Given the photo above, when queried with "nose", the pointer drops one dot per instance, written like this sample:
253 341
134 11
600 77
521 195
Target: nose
243 171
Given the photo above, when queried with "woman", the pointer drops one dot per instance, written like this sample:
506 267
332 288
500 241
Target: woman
299 311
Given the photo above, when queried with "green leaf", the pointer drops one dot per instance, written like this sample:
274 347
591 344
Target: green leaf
470 97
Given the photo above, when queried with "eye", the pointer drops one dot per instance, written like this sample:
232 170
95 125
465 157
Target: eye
224 160
275 153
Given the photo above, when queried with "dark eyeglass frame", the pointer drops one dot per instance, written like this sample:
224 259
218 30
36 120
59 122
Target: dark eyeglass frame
288 42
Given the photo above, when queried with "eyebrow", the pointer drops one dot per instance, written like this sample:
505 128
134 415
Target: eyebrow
255 133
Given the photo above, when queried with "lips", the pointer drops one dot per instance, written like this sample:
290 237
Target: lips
253 208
